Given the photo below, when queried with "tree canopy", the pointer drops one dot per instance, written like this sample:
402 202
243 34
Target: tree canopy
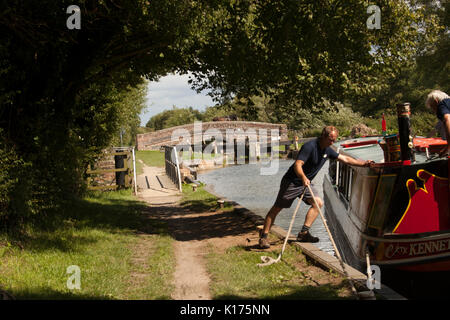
65 93
308 50
174 117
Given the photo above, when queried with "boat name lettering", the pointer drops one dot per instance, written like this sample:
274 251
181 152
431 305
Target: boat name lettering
429 247
394 250
415 249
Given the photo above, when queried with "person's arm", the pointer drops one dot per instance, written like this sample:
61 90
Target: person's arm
353 161
298 169
446 122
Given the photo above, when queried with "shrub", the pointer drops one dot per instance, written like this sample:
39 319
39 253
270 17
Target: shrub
15 189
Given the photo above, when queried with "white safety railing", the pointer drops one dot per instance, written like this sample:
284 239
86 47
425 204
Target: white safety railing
172 165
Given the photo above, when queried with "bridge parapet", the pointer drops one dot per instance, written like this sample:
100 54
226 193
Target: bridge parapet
200 131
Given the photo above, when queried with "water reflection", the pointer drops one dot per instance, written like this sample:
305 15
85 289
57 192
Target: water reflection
245 185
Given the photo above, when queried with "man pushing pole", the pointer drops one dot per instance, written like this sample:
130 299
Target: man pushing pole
310 159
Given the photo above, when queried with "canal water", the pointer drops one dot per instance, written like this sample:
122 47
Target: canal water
246 185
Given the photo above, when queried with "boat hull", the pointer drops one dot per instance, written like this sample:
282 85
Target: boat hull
394 238
346 234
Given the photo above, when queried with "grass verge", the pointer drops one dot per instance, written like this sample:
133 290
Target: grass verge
150 158
100 234
200 200
235 275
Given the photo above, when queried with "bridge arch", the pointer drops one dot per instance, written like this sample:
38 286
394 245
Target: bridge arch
154 140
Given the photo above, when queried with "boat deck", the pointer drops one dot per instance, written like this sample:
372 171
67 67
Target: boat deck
371 151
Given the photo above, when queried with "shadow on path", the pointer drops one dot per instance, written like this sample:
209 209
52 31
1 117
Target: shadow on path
185 225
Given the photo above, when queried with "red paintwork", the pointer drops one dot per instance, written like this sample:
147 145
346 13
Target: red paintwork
433 144
360 143
428 208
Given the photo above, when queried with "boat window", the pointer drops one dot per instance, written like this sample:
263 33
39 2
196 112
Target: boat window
344 174
349 183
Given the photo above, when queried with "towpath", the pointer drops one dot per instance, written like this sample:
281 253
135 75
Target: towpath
193 232
196 232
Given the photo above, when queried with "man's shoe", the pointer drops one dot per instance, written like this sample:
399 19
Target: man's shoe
264 243
306 237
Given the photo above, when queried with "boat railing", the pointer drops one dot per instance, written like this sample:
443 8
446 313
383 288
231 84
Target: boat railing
341 176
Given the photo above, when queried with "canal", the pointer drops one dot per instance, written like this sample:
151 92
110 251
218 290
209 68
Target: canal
246 185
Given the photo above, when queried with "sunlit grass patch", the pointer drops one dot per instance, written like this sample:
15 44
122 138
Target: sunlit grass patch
235 275
99 235
150 158
200 200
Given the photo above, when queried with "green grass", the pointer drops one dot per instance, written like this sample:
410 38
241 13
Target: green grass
199 155
157 272
98 234
235 275
150 158
200 200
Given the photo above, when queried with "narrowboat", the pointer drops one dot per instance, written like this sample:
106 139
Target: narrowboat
395 212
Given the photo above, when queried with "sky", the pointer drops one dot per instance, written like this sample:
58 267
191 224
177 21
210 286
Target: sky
173 90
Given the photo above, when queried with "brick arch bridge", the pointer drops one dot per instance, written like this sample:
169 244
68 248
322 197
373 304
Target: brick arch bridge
227 129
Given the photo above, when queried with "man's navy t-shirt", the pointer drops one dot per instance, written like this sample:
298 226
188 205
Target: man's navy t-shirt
443 108
313 157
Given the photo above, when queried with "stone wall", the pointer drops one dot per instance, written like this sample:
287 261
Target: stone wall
227 129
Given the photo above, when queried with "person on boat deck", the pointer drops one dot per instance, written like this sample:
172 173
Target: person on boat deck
439 102
310 160
438 129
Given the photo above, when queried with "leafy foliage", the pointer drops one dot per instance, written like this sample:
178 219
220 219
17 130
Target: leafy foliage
65 94
428 69
14 195
174 117
307 50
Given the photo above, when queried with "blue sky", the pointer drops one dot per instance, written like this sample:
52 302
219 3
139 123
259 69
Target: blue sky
173 90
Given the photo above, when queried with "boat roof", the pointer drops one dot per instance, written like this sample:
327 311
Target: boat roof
368 148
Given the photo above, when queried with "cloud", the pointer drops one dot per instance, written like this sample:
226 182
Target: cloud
173 90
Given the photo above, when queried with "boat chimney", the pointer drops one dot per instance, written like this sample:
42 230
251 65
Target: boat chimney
404 132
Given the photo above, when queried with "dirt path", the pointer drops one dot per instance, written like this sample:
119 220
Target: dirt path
196 233
191 278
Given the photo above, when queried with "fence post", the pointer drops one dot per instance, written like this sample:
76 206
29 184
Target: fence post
134 172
